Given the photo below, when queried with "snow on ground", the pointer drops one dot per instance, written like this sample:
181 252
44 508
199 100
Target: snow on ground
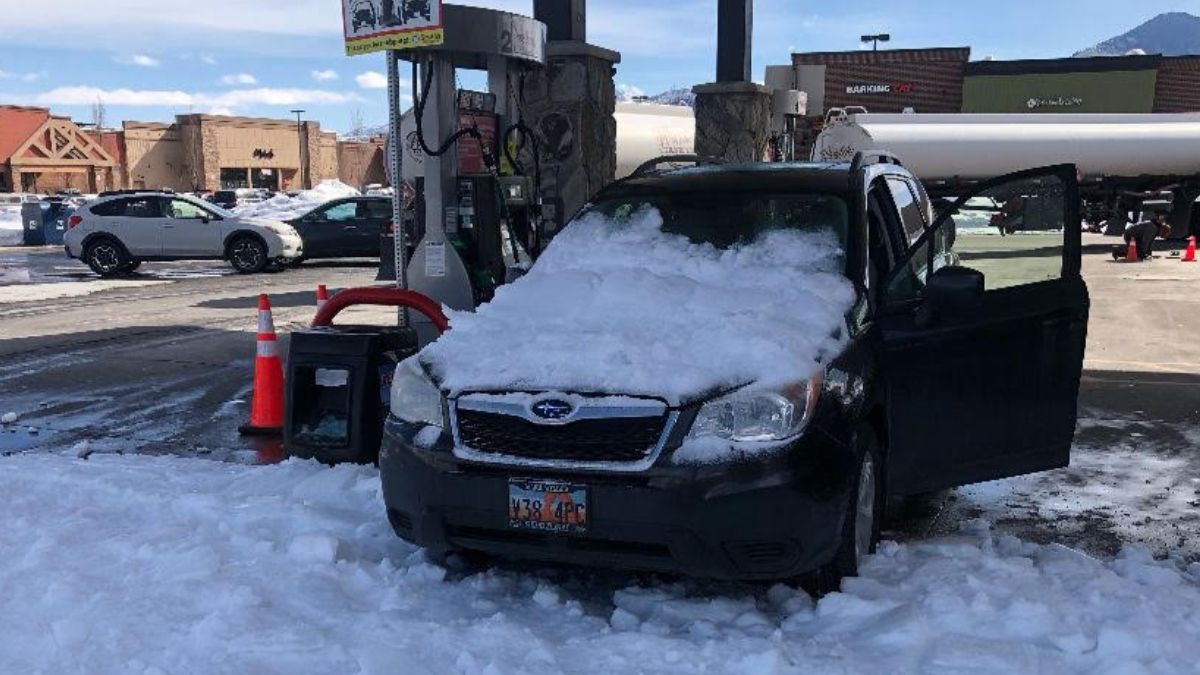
65 289
134 564
283 207
706 317
11 233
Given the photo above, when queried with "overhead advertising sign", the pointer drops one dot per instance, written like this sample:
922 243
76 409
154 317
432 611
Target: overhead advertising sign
899 88
380 25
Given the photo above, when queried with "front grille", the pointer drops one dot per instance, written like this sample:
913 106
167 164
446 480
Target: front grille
611 439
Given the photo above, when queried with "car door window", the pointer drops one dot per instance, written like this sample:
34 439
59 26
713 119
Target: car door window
1013 233
909 208
142 207
378 209
180 209
339 213
908 278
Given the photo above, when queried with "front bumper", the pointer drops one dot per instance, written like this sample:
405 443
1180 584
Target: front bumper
770 518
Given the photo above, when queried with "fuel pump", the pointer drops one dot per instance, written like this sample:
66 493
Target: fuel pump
481 213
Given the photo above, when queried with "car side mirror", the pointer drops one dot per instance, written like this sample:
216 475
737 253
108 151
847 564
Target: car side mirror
204 219
951 292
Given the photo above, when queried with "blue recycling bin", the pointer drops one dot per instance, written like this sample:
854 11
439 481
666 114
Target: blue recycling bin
54 225
33 223
45 223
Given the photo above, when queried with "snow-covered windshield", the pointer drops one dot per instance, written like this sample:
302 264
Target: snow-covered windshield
619 304
728 219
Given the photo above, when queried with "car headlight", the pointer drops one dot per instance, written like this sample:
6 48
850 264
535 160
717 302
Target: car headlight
750 415
415 398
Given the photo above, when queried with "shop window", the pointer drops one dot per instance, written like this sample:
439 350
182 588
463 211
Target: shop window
266 179
232 179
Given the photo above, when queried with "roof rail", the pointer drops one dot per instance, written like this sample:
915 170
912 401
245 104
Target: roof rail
870 157
650 166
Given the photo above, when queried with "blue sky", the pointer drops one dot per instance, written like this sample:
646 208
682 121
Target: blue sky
150 59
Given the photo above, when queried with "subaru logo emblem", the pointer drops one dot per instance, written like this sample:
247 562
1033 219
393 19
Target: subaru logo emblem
552 409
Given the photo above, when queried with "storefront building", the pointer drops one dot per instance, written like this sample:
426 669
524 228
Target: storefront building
214 152
891 80
1104 84
41 152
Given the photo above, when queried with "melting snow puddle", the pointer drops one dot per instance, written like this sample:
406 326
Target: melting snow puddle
125 564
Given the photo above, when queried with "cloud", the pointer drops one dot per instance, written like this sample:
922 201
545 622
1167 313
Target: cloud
627 92
372 79
140 60
210 60
324 75
174 98
23 77
239 78
220 110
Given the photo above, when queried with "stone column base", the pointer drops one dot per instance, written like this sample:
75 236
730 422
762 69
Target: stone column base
732 121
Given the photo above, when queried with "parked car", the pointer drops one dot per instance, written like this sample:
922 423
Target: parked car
115 234
939 375
226 199
344 228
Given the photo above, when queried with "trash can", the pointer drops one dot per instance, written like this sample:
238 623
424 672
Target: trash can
387 257
339 382
33 217
54 225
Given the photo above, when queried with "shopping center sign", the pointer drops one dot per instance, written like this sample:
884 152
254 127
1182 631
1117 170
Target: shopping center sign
379 25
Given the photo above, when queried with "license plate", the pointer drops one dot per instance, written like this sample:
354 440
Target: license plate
547 505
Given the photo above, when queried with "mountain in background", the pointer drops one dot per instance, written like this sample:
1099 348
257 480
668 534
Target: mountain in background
669 97
1170 34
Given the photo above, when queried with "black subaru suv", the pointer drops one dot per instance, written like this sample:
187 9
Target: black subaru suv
961 363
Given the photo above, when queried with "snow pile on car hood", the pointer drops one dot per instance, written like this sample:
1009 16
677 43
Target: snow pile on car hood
283 207
626 308
10 226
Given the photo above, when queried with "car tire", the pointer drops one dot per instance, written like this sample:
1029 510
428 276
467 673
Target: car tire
248 254
132 266
107 257
860 530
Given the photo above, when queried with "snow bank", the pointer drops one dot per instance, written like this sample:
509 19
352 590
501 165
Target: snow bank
283 207
11 233
626 308
134 564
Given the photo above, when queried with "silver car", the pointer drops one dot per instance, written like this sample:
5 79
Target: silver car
116 233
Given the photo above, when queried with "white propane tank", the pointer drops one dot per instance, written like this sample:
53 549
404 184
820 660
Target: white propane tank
644 131
649 130
977 146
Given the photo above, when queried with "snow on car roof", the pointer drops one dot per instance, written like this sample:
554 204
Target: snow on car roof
624 308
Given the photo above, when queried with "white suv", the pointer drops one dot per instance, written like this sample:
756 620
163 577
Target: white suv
114 234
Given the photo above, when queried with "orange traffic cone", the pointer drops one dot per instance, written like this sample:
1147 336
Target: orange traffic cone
322 296
266 408
1131 253
1190 254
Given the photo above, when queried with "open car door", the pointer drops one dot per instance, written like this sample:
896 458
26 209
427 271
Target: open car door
984 325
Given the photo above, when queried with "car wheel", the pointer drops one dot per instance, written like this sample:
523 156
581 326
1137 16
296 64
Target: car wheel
860 530
248 255
107 258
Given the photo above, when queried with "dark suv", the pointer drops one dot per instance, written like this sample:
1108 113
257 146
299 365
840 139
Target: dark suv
961 363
